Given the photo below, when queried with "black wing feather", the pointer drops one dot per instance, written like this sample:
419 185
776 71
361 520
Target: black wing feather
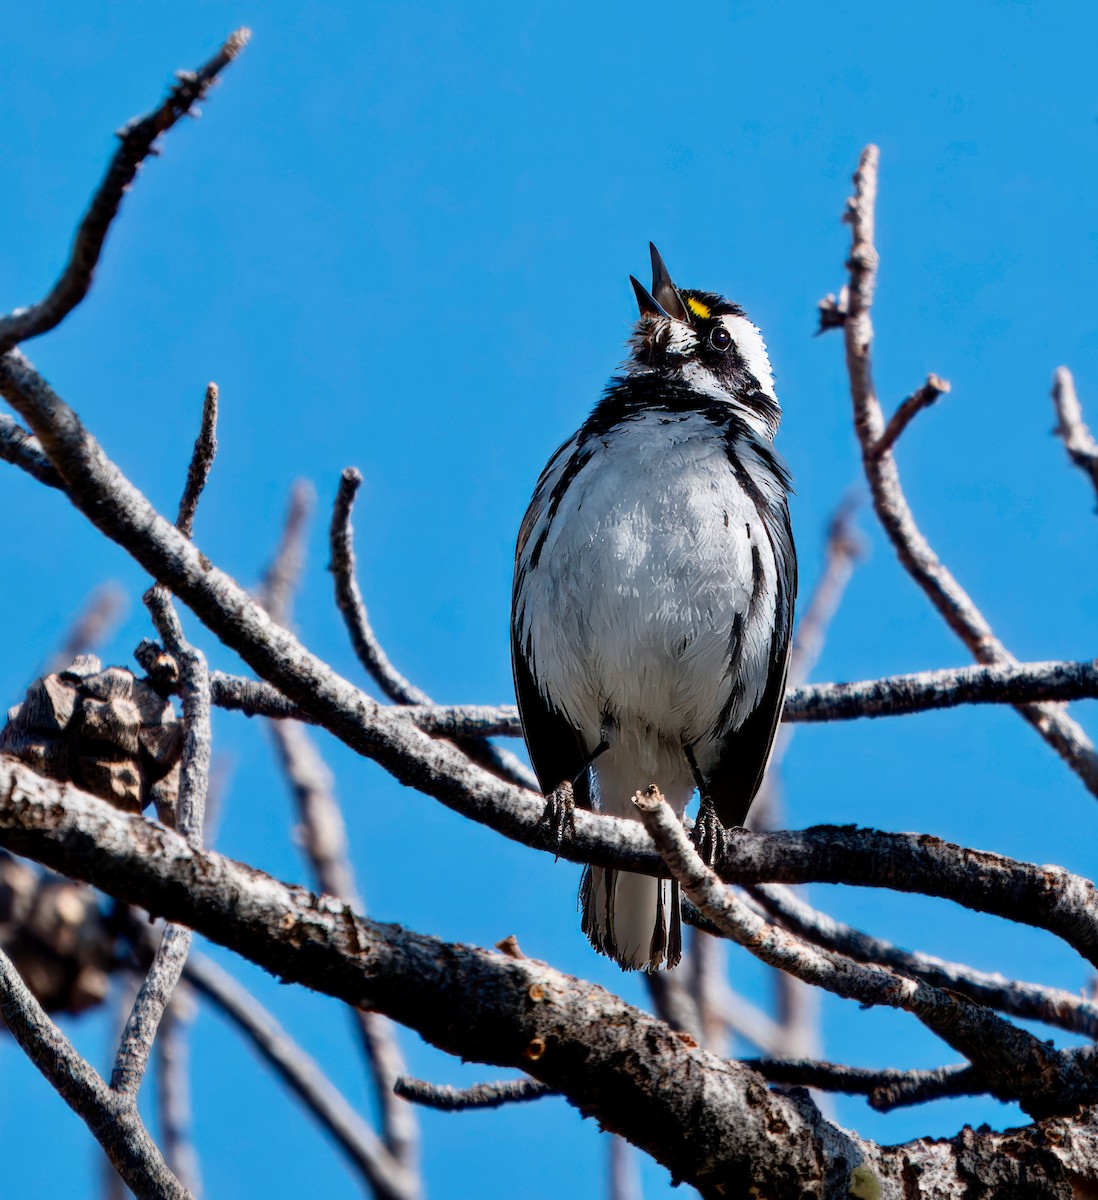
745 752
556 751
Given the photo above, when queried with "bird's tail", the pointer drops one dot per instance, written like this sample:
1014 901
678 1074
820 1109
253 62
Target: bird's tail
635 919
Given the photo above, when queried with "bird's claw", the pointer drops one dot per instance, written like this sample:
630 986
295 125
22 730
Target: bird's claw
558 818
708 833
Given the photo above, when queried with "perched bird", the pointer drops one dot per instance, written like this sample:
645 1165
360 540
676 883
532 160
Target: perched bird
655 577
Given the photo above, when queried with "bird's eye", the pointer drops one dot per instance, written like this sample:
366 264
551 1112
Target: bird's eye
720 338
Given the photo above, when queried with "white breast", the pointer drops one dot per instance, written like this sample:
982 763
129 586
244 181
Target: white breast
648 566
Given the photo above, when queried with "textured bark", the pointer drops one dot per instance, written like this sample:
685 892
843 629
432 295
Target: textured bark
636 1076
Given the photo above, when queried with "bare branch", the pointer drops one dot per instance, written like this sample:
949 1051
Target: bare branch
612 1061
885 1089
281 576
843 549
156 992
1071 429
896 695
989 883
138 141
480 1095
914 404
368 649
942 589
304 1077
891 696
23 450
114 1123
1034 1001
324 838
202 458
173 1093
1015 1063
351 604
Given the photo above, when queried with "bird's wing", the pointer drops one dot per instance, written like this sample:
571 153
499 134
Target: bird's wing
556 749
745 751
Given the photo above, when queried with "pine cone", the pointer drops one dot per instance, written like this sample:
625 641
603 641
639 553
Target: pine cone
106 731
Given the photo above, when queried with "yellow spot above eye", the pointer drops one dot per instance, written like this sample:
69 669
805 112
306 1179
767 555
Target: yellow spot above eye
697 308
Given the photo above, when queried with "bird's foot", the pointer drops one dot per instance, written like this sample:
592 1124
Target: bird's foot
558 818
708 833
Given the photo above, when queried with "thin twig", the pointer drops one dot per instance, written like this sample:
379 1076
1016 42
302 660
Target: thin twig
304 1077
283 571
202 458
843 549
909 408
1015 1063
1061 732
480 1095
623 1180
164 973
369 650
885 1089
922 691
1071 429
138 140
113 1121
173 1092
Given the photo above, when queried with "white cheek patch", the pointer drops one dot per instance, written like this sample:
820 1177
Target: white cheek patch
748 341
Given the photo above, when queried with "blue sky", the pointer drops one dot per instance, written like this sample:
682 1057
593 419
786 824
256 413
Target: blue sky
400 238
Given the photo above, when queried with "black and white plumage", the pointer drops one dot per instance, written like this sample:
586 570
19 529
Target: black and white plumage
655 577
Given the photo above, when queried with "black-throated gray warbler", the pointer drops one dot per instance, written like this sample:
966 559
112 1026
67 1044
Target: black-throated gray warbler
653 600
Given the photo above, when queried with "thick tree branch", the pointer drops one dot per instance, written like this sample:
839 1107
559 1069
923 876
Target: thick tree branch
937 582
1015 1063
138 140
612 1061
96 486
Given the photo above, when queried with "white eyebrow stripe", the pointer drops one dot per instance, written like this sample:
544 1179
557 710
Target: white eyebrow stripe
752 349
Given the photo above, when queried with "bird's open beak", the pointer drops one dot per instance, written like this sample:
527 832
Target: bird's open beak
646 302
664 291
